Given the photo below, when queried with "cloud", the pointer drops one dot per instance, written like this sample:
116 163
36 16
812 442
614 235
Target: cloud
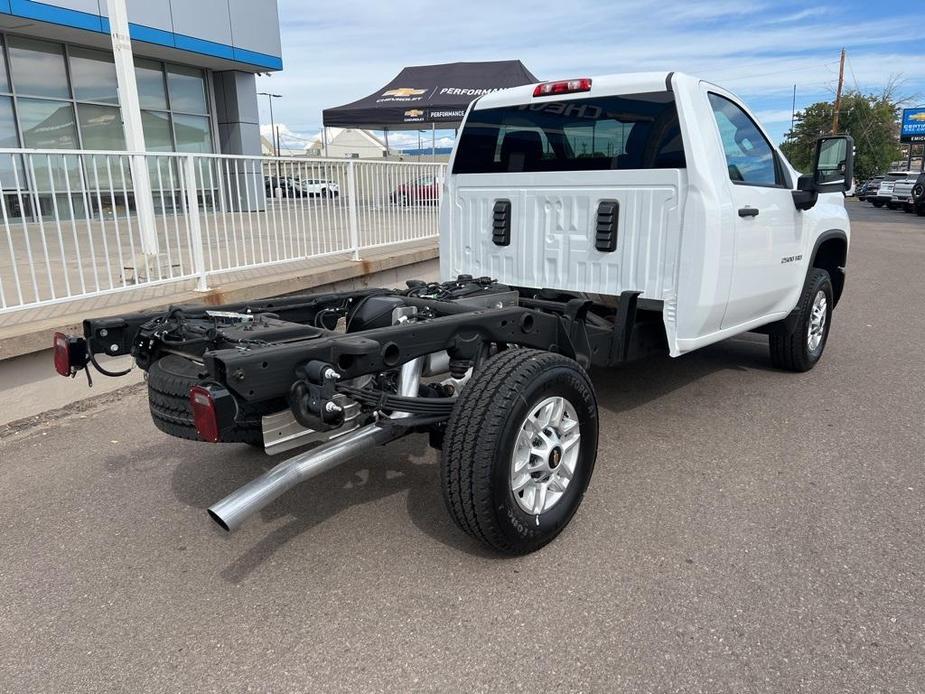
335 53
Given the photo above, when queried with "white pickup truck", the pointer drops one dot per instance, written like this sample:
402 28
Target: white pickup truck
583 222
655 183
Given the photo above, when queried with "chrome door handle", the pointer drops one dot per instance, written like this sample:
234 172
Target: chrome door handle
748 211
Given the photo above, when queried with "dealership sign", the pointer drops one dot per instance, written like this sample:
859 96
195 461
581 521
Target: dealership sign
913 128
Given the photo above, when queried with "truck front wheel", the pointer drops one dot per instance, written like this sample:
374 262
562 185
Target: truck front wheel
801 348
519 449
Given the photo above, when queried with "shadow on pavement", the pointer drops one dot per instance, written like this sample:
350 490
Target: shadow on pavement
407 465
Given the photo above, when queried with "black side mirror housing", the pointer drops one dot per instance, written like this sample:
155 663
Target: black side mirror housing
806 195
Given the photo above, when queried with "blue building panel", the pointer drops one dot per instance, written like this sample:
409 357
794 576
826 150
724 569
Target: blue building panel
65 13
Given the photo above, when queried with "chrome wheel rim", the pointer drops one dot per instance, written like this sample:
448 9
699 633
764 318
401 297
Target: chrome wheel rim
545 455
817 320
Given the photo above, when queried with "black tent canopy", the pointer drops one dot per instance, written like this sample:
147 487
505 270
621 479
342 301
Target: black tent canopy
428 96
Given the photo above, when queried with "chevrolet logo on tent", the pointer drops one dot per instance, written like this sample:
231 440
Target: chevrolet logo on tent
414 113
404 91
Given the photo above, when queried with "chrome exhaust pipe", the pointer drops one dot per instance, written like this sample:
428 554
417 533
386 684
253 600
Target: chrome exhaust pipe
235 508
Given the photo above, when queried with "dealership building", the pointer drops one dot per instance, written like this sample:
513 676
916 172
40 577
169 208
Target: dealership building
195 67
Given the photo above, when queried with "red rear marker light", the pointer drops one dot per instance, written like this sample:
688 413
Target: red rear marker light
583 84
214 410
204 414
62 349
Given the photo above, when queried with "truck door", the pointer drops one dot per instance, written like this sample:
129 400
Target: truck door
768 227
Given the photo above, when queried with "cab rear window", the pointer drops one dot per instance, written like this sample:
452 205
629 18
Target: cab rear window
637 131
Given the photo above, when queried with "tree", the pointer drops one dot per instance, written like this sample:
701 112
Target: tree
870 119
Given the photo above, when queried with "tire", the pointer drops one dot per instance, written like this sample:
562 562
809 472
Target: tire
795 351
877 203
485 429
169 381
891 205
907 209
920 210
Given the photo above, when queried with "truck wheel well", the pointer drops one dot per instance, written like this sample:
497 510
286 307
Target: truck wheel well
831 256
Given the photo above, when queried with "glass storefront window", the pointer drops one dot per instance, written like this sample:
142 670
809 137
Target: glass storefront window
174 99
187 89
50 125
156 127
193 134
4 82
101 127
149 75
93 74
38 67
47 124
9 139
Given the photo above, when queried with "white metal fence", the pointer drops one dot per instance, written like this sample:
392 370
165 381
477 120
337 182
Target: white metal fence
71 229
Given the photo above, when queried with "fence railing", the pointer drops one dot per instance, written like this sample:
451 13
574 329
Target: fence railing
71 228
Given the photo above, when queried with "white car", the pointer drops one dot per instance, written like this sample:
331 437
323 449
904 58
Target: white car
887 193
316 187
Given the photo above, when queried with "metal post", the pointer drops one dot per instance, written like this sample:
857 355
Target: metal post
274 133
131 120
433 142
324 139
192 215
352 208
386 131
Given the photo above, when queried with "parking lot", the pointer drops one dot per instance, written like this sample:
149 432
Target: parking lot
746 530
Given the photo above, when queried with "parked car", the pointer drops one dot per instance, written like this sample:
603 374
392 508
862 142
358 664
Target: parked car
282 187
869 188
425 189
886 192
624 215
902 191
319 187
916 202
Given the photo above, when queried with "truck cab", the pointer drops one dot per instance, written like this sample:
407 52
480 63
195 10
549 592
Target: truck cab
657 183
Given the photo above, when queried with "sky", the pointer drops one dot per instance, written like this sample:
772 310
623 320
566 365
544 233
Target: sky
337 52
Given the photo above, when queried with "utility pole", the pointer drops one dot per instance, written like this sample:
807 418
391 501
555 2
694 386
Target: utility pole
274 133
841 83
793 111
131 123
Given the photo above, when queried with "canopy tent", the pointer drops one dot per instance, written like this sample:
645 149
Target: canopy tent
428 96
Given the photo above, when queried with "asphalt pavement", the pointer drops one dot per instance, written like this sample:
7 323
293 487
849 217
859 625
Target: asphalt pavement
745 530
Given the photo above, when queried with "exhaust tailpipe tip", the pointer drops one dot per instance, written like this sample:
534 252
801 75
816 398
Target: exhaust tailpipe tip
231 512
218 520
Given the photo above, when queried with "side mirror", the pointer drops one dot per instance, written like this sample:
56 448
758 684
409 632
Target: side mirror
833 165
833 171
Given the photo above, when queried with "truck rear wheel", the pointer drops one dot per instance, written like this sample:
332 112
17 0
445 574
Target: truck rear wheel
800 349
519 449
169 381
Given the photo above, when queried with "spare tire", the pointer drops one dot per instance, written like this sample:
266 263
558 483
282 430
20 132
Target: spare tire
169 381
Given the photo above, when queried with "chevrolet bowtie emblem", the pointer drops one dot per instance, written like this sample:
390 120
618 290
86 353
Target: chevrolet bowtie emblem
404 91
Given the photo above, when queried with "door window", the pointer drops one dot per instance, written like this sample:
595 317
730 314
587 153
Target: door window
749 157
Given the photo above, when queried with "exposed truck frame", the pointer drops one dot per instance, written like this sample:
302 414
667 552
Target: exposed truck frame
494 372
